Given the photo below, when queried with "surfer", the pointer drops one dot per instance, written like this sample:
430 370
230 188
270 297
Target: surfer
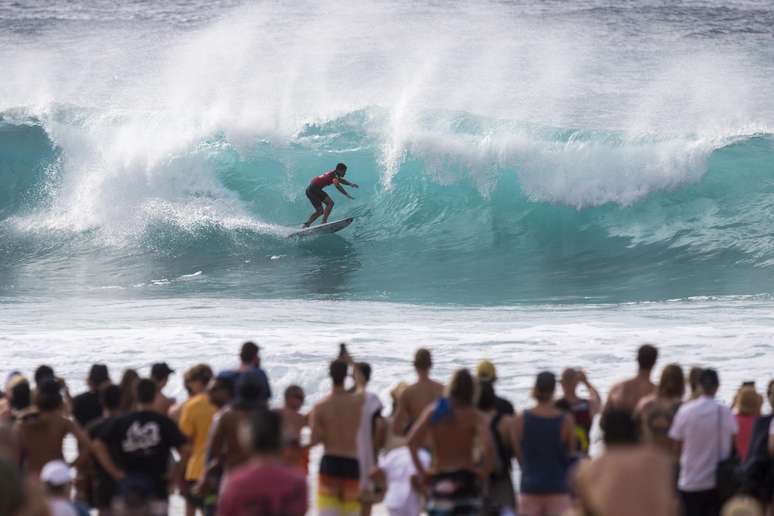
318 197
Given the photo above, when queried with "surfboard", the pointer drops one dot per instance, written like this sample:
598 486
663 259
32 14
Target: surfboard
321 229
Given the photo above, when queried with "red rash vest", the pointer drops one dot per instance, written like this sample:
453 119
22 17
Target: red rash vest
324 180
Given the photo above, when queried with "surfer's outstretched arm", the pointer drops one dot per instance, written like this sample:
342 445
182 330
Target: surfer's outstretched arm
341 189
348 183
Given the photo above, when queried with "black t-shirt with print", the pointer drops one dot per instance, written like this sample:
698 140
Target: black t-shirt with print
140 443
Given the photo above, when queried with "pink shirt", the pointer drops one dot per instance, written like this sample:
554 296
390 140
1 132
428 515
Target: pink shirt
269 490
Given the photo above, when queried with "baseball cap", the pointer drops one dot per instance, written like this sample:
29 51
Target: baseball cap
56 473
161 370
486 371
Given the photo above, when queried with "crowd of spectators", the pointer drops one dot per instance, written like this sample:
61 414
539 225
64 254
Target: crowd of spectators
443 448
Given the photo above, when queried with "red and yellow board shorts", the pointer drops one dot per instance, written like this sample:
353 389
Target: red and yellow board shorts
338 487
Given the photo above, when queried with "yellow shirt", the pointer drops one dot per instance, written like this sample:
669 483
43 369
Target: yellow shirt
195 423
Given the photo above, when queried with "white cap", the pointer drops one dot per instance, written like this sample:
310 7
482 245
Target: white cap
56 473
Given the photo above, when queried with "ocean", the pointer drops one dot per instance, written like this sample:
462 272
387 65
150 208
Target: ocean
543 184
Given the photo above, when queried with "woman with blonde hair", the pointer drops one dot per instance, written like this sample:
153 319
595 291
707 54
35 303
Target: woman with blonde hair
656 412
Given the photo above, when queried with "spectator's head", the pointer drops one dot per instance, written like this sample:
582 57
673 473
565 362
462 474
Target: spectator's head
338 372
248 355
646 357
693 382
98 376
486 397
672 384
222 389
709 382
128 387
748 402
396 393
48 397
619 427
265 435
545 385
569 381
19 393
294 397
43 373
423 360
486 372
198 377
146 391
462 388
160 372
57 478
110 398
742 505
362 372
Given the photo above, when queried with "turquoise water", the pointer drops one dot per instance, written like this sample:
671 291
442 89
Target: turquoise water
508 152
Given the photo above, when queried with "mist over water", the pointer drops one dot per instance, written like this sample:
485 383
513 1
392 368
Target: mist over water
506 152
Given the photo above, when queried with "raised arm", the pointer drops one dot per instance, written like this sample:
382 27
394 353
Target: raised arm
595 400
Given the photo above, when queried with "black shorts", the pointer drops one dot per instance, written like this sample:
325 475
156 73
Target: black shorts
316 196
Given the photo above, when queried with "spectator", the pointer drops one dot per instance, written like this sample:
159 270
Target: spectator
543 442
58 480
250 362
195 420
220 393
402 491
626 395
159 373
367 444
226 450
656 412
128 390
11 488
86 407
265 485
455 427
293 422
693 383
486 373
135 450
41 436
335 422
418 396
759 465
703 431
747 409
583 410
102 487
501 498
20 399
628 479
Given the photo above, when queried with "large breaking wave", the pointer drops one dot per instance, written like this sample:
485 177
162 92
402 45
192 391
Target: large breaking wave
468 209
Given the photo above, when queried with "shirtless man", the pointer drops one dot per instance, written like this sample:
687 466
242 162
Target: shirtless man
417 397
335 422
41 436
626 395
293 422
455 426
160 372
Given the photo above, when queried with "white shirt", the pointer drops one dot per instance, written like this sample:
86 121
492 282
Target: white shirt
60 507
365 442
705 427
401 499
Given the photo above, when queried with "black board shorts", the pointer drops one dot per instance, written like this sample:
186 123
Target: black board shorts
316 196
